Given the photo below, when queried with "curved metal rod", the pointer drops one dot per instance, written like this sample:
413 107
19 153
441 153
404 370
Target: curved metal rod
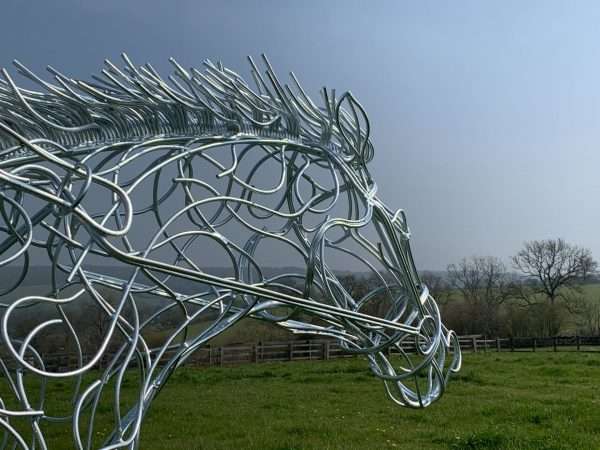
163 180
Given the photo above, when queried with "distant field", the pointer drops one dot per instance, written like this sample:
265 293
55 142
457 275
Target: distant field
592 291
499 401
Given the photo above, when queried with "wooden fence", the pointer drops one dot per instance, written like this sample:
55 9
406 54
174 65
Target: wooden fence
306 350
530 344
233 354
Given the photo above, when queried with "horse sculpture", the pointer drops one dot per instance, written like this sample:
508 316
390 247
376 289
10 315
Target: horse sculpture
167 180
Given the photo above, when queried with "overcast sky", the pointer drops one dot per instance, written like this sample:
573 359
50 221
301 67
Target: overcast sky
485 115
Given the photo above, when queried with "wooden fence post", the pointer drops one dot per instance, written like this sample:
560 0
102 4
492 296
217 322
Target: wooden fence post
578 340
512 344
498 344
555 343
291 350
221 355
474 343
326 350
534 344
255 352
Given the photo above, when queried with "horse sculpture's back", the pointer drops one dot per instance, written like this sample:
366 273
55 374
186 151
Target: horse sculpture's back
132 189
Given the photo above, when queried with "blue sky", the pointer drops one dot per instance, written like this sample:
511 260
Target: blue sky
485 115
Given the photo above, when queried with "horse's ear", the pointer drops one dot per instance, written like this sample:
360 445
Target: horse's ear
353 125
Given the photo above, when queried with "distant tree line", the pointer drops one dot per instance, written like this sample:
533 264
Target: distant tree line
550 290
547 289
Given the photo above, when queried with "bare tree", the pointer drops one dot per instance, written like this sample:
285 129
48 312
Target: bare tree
553 264
484 285
588 320
589 267
94 321
355 284
554 270
361 287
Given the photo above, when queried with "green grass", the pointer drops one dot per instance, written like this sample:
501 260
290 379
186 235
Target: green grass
244 332
499 401
592 290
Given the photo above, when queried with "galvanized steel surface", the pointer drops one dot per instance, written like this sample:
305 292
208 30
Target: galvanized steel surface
149 173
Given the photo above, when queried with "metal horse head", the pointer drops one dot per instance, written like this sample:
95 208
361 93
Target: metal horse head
168 180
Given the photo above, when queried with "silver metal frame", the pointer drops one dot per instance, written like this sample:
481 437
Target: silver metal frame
147 143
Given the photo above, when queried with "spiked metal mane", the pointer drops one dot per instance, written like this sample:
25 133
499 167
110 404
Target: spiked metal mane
136 103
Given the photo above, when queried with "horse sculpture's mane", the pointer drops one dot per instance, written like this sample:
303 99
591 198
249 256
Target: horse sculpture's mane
134 104
183 161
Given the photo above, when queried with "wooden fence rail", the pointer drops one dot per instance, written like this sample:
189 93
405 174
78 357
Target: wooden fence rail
530 344
314 349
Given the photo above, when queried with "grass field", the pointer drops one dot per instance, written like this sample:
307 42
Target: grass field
499 401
